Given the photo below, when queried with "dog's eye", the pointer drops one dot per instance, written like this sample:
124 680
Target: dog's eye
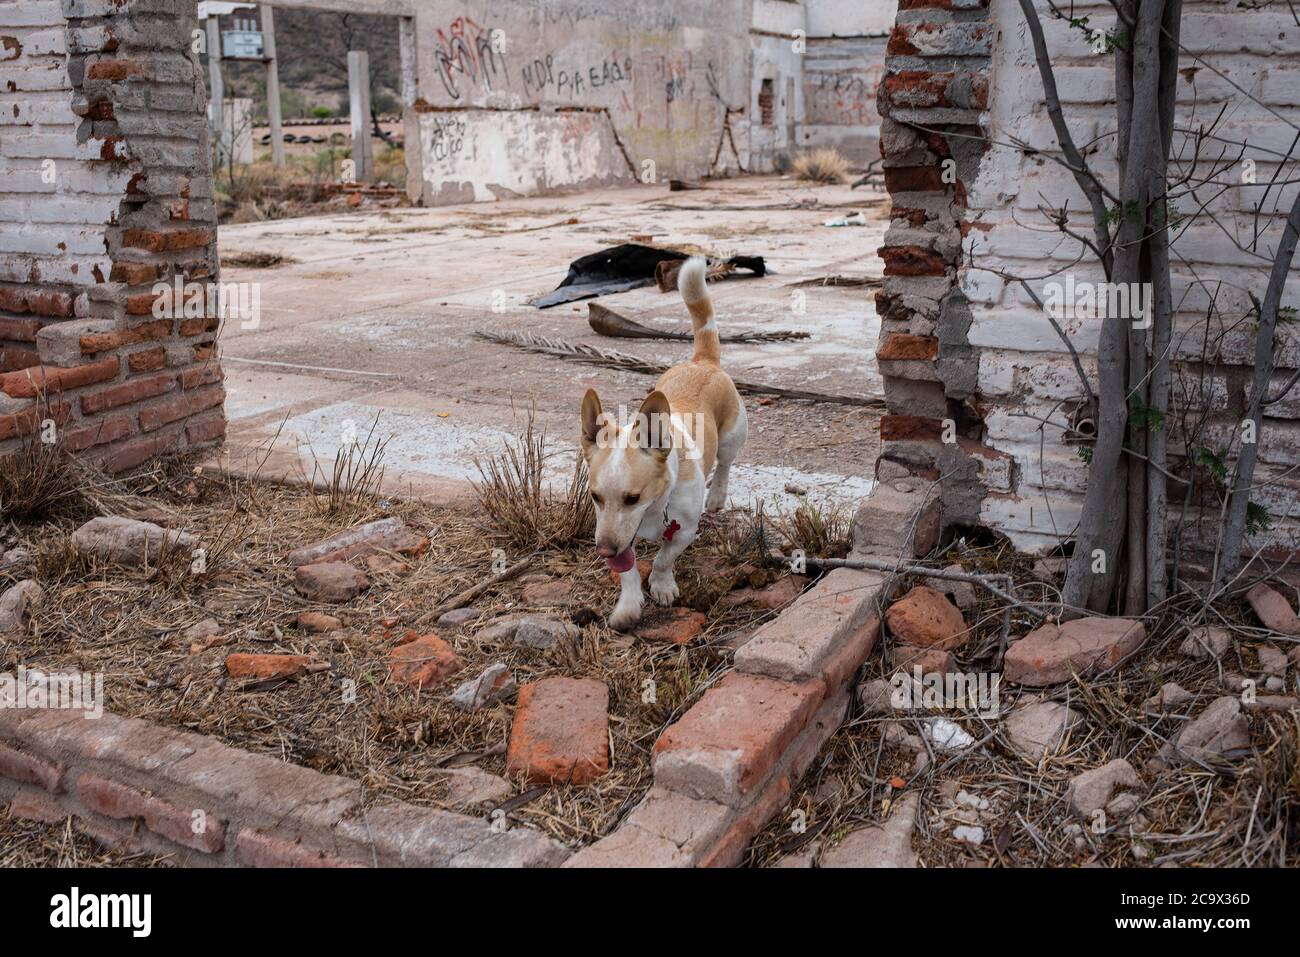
595 498
631 499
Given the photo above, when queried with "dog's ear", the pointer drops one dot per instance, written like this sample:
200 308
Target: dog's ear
591 421
654 433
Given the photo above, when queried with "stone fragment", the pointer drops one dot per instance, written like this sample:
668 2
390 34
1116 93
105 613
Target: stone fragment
495 682
1052 654
332 582
677 627
266 667
127 542
1220 732
1206 642
17 605
1271 660
1170 697
1091 790
1039 727
423 662
318 623
542 633
1273 610
885 845
470 787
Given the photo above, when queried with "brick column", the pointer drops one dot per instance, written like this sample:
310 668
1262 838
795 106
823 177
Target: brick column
106 191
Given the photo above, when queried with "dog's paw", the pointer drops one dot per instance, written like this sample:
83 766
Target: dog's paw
716 500
624 617
663 588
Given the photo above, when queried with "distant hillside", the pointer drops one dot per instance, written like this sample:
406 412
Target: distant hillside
312 47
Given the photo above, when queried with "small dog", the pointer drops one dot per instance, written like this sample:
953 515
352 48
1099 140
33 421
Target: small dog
648 477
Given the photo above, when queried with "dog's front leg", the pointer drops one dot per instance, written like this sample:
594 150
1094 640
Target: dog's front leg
663 584
627 612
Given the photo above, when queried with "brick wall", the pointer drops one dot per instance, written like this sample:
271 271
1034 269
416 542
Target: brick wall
105 190
960 343
142 787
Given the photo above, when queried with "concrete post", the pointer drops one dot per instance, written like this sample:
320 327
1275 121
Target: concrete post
272 83
406 51
216 93
359 103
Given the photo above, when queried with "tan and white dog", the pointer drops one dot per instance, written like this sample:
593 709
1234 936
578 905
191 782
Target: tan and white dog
649 476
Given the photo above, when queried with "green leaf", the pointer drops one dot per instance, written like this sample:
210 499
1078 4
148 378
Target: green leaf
1214 461
1257 519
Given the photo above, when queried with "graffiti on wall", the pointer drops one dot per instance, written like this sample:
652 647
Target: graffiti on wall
466 52
575 79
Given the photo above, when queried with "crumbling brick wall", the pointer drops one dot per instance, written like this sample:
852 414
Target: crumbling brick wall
961 343
105 192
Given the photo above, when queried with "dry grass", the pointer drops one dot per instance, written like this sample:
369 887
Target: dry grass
129 625
824 531
32 844
520 508
823 165
1233 814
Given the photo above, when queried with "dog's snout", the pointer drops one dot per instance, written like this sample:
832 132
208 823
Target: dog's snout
606 551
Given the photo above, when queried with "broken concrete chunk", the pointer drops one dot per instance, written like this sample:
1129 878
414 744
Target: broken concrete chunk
1220 732
1206 642
1272 661
360 535
333 582
542 633
1170 697
1273 610
1052 654
496 682
18 604
886 845
1037 728
1092 790
469 787
128 542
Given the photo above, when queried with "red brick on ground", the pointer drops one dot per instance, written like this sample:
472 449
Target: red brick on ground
423 662
561 732
926 619
1051 654
731 738
266 667
679 626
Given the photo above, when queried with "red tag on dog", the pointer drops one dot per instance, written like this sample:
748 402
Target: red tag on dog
670 530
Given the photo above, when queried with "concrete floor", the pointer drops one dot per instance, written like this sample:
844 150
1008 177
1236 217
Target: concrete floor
375 316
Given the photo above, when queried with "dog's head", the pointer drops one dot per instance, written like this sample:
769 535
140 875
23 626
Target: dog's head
627 469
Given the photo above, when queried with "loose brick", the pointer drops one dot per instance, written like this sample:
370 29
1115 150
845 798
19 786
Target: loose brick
29 769
560 733
1051 654
729 741
423 662
678 627
926 619
266 667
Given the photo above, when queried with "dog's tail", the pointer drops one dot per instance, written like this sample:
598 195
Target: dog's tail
690 283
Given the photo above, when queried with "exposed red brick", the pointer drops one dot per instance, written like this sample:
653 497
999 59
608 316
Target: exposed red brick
134 274
265 667
29 769
262 850
132 453
13 358
903 345
133 390
749 719
141 304
912 261
116 70
30 383
423 662
942 4
560 733
897 428
191 827
19 330
205 374
914 179
145 332
678 627
160 242
147 360
206 430
36 806
900 43
854 649
199 326
26 421
101 433
181 407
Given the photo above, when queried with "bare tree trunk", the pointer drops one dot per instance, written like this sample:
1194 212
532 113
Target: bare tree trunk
1234 535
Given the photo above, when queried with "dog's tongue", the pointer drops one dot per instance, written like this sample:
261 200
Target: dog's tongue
623 561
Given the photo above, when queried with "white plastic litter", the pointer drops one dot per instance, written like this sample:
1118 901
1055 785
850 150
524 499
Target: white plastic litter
855 219
946 736
968 833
